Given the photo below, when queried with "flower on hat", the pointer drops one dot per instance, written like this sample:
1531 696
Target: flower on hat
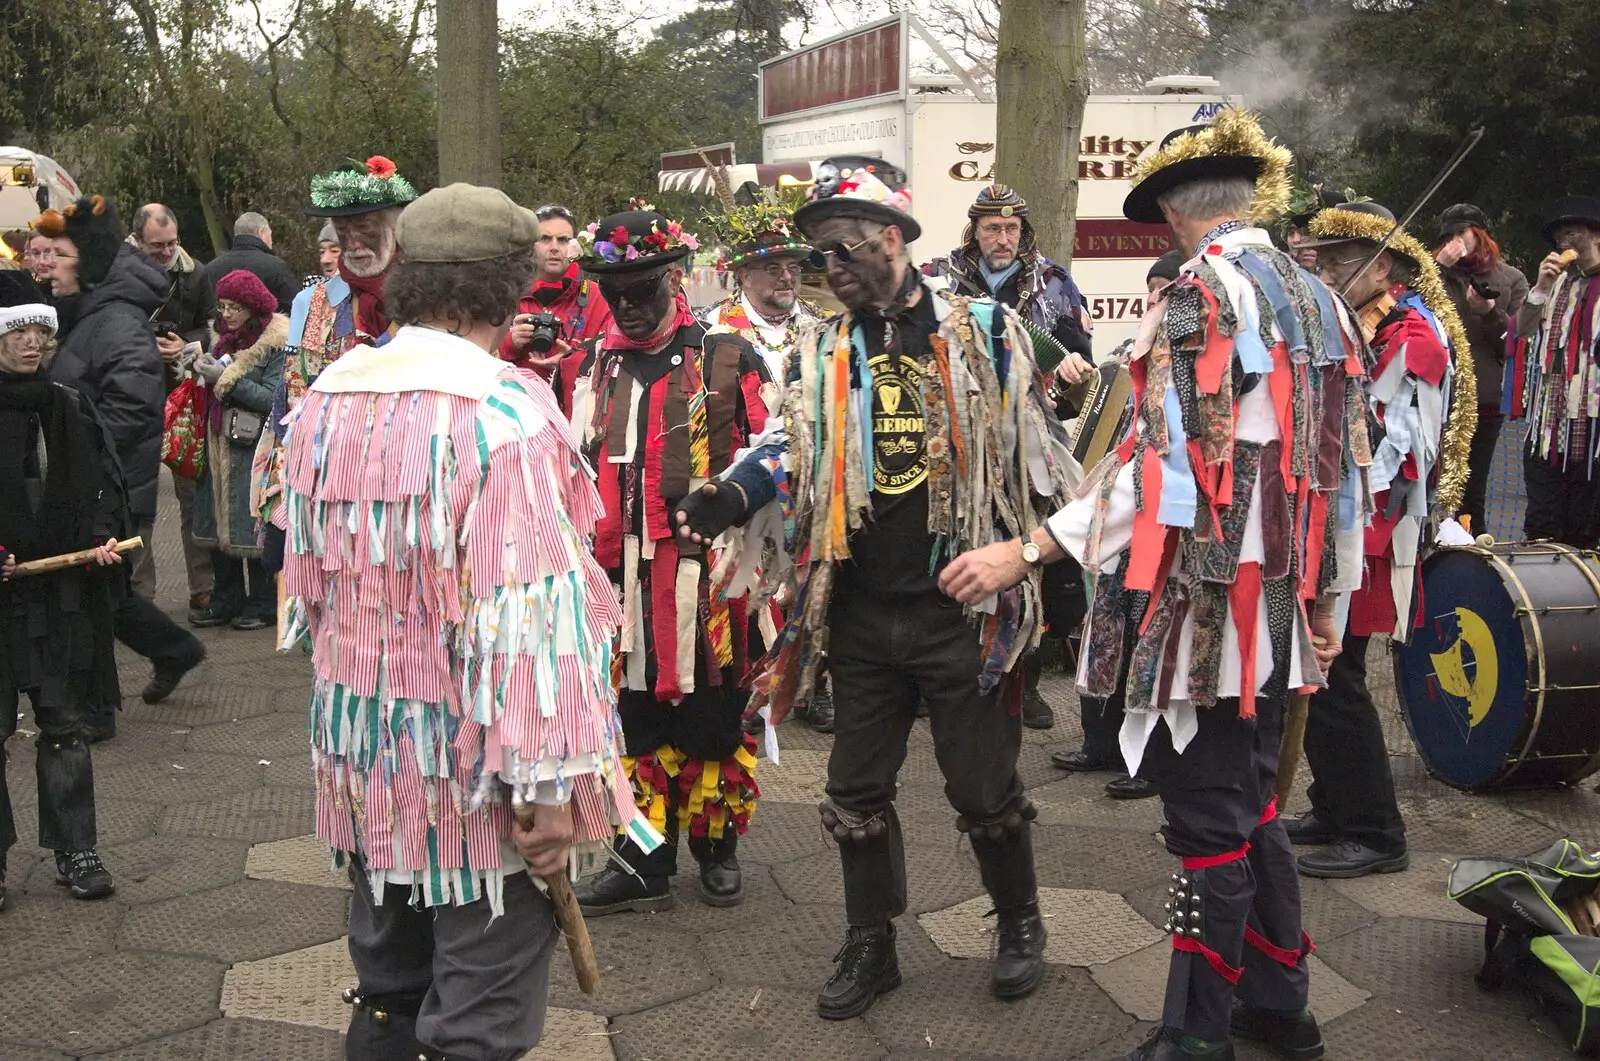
619 235
622 245
381 167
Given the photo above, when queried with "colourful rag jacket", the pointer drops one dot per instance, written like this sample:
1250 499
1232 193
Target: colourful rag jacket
997 456
655 427
322 327
1553 375
1245 479
732 314
461 633
1409 397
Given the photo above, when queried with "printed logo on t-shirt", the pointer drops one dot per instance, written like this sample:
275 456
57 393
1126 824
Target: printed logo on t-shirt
899 441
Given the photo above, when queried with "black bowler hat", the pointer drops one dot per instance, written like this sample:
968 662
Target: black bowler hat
1582 208
632 241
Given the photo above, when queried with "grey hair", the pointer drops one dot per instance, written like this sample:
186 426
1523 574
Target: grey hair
250 223
1210 197
328 234
148 213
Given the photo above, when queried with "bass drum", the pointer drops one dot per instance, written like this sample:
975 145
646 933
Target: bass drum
1498 682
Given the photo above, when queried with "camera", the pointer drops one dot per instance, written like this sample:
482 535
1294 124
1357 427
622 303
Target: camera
1485 291
546 330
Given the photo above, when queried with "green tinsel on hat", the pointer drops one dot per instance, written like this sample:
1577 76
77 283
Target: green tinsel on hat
352 190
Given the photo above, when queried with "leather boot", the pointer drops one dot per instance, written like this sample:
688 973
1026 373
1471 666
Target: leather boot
868 966
721 882
819 712
1294 1037
1019 957
614 891
1036 710
382 1028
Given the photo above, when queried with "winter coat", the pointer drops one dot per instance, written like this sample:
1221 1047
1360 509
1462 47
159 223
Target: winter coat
107 352
1486 332
223 518
190 303
250 254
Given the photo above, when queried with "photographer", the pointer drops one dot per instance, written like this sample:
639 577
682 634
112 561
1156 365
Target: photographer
1486 292
560 311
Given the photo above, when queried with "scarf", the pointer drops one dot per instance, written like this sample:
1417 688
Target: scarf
64 520
678 317
367 291
997 279
230 342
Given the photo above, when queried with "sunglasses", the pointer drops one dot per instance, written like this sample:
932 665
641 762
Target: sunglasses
638 293
844 254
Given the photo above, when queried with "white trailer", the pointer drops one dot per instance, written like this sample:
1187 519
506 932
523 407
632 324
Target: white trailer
30 183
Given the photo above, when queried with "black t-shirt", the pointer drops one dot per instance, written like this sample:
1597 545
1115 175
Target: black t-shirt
890 555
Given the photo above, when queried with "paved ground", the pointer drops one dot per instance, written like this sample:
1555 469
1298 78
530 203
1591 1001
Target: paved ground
224 939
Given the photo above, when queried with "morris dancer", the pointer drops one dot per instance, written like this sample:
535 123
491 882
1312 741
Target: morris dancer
906 391
1407 316
663 405
438 523
1215 524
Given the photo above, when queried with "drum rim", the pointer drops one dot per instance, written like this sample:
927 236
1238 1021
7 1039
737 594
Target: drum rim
1530 619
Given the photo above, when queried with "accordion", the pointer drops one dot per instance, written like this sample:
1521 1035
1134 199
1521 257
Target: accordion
1106 413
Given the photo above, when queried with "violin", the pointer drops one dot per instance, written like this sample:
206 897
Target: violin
1371 315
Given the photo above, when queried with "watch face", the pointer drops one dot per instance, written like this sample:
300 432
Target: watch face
1030 552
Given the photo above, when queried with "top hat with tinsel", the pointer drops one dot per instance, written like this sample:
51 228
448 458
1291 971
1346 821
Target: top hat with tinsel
636 239
352 190
92 226
857 186
1231 146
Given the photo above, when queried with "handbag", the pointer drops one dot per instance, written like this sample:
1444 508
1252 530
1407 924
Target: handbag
241 426
183 433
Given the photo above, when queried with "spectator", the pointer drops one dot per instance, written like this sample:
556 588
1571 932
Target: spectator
328 249
252 251
61 490
40 257
105 293
241 378
183 317
1487 294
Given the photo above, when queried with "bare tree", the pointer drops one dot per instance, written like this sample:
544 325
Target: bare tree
1042 83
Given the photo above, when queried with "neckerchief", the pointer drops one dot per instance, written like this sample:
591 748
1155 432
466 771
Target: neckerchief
367 294
997 279
678 317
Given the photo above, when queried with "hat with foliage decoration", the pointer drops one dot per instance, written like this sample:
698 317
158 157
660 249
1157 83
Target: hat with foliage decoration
757 222
357 189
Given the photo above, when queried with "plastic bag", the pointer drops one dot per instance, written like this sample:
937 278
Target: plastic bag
183 436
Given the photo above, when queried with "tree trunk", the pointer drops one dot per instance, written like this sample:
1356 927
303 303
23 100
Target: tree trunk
468 46
1041 85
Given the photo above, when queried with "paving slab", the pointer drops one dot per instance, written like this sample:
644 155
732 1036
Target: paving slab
180 777
302 987
782 832
164 867
109 1001
644 963
740 1021
234 1040
1137 983
795 949
195 704
259 815
43 926
1416 892
297 860
238 922
798 777
1082 927
274 736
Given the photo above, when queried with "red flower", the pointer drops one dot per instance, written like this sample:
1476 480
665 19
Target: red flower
658 240
619 236
378 166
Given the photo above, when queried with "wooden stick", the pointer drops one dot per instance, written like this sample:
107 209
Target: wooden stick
1294 742
65 560
570 917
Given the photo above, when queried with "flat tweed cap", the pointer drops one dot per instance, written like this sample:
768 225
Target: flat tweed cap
465 223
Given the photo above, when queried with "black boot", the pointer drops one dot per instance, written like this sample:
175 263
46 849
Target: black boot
1310 829
1036 711
721 883
614 891
382 1027
1294 1037
1019 958
868 966
167 676
819 712
1162 1045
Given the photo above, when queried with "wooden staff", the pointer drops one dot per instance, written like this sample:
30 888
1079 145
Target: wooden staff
65 560
570 917
1294 742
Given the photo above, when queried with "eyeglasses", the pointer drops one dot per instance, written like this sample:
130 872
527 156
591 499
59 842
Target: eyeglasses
780 270
844 253
160 248
638 293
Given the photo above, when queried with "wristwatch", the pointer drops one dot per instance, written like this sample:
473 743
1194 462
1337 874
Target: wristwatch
1030 552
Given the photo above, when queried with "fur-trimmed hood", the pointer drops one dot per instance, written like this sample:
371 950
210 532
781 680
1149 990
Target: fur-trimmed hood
274 336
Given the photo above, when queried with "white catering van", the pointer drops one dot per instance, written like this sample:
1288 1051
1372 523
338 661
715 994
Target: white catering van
29 184
854 95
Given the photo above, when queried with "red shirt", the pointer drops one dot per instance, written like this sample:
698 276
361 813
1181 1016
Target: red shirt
584 315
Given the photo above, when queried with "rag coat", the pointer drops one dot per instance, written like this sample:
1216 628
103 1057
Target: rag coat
108 353
223 517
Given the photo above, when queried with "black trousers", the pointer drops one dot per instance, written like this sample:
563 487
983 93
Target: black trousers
883 656
453 979
231 596
1561 504
64 773
1238 873
1480 458
1352 787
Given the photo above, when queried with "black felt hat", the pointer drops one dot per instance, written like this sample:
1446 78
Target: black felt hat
861 187
1460 217
1583 208
653 240
1144 201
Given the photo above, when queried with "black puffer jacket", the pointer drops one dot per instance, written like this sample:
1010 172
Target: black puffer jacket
250 254
108 353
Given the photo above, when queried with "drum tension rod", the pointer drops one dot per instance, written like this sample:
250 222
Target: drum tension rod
1548 608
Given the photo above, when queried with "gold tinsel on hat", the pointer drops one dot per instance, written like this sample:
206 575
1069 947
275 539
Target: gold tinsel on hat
1235 132
1463 420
